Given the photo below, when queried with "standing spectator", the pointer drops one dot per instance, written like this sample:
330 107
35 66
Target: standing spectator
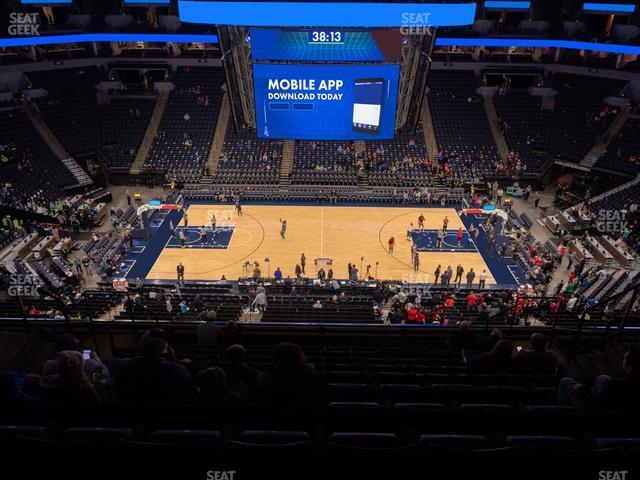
208 332
436 274
459 272
471 275
180 271
482 280
260 302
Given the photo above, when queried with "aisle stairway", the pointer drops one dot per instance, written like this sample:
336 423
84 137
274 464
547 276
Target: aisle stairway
218 136
150 134
492 117
81 176
600 148
430 138
48 136
286 165
82 179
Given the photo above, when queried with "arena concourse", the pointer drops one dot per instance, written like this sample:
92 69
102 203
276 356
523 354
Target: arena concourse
312 240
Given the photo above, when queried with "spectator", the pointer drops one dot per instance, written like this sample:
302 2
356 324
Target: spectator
238 372
537 358
70 386
208 332
294 381
499 358
93 366
260 302
465 339
155 375
606 393
212 386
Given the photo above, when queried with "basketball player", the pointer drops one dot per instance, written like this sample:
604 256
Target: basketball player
440 239
392 243
409 230
421 222
213 221
238 208
172 228
283 229
203 235
186 219
445 223
182 237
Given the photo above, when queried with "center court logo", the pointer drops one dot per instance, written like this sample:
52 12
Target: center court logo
24 24
415 23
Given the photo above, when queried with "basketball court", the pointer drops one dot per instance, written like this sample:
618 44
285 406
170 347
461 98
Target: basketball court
338 234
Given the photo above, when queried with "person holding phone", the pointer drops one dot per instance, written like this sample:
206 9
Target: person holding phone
93 366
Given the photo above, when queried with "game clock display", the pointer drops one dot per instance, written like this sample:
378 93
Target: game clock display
325 36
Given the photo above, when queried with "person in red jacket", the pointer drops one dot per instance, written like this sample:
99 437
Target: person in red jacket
459 237
392 243
471 300
412 315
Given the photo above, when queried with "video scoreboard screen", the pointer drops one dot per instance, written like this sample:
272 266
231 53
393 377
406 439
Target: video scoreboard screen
327 45
325 102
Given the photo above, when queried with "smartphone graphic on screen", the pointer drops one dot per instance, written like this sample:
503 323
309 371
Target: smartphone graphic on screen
367 104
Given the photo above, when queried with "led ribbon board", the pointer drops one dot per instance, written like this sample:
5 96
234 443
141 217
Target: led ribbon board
506 5
533 43
105 37
330 14
608 8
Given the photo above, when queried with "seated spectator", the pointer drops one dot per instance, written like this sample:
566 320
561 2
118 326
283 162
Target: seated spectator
537 358
499 358
606 393
153 378
294 381
212 386
465 339
238 372
494 337
70 385
93 366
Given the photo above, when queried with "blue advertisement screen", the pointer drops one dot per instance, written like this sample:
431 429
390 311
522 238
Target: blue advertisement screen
326 45
325 102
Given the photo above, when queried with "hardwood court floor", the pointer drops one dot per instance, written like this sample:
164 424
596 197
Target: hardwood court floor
343 234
